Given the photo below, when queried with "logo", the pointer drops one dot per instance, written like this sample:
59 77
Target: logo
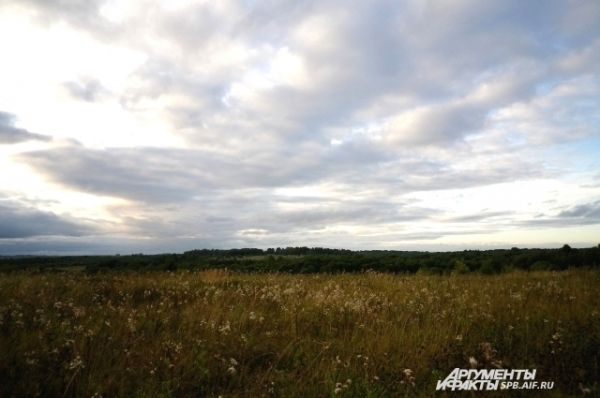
492 380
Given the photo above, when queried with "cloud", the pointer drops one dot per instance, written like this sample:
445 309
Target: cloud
84 14
9 134
438 124
140 174
365 103
578 215
589 212
169 175
486 216
293 71
86 89
18 221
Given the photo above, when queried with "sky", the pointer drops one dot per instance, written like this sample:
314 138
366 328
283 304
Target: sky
164 126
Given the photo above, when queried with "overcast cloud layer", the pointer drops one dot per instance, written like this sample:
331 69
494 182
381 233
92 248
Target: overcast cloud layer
166 126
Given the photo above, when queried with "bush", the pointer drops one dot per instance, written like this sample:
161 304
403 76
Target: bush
460 268
543 266
487 268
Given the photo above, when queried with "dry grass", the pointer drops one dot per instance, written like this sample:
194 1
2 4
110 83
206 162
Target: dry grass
215 333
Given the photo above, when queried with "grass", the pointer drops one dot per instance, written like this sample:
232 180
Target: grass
215 333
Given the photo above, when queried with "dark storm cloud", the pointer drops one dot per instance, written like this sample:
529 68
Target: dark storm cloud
18 221
9 134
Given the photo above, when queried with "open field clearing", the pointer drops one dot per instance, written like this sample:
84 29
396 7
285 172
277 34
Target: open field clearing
215 333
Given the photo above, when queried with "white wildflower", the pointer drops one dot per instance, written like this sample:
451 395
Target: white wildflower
473 362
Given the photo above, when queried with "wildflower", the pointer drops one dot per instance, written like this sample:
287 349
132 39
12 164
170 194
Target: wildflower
338 388
473 362
78 312
231 370
226 328
408 375
76 363
584 390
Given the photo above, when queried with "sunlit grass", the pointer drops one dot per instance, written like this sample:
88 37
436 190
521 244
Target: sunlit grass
216 333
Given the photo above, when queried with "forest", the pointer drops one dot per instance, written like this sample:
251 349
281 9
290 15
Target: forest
318 259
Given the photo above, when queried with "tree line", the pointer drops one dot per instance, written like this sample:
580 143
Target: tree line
318 259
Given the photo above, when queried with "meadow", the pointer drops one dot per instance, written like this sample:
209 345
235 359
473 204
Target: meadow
217 333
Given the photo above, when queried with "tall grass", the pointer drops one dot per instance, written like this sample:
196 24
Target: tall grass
214 333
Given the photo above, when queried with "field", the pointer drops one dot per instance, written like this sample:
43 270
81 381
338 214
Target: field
216 333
